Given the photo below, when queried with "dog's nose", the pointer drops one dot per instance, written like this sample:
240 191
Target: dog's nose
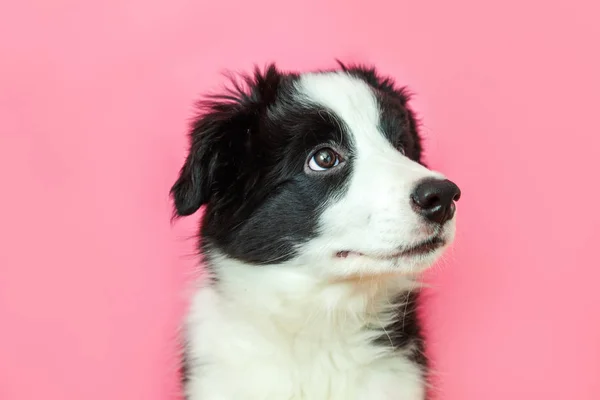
434 199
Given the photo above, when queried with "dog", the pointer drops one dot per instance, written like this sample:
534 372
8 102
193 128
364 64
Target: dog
318 216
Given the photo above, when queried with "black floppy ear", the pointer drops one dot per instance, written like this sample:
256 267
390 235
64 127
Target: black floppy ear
219 139
193 186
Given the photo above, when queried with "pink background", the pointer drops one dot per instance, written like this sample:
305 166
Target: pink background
94 103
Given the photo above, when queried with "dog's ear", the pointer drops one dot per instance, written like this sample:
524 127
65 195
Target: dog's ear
193 186
220 138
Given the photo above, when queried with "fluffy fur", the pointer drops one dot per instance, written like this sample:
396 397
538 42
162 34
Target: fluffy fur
319 214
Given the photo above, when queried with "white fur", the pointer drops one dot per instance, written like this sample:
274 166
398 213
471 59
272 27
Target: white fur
273 333
303 329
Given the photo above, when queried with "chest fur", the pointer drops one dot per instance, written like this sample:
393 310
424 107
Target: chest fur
238 352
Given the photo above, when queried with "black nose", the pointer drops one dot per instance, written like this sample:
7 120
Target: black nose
434 199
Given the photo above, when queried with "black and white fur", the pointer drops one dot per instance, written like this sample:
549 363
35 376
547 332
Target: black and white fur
311 293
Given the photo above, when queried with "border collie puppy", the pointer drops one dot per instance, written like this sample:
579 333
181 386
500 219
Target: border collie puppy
319 214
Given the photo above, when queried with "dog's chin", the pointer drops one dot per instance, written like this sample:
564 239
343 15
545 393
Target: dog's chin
411 259
421 248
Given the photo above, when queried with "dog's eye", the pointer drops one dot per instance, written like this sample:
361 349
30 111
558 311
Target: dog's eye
324 159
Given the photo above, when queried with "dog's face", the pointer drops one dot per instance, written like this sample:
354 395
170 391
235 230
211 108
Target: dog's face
320 171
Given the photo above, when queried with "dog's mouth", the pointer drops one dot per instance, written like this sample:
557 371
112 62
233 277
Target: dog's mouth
424 248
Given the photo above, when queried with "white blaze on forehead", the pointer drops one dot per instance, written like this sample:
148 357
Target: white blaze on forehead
354 103
349 98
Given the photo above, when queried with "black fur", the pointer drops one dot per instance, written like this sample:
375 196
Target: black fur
246 163
405 331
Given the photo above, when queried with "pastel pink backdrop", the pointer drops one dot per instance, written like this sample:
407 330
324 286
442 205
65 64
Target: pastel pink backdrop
94 103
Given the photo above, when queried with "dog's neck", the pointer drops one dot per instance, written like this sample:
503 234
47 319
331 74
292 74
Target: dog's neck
294 298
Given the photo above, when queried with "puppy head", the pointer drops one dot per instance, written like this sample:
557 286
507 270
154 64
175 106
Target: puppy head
320 171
